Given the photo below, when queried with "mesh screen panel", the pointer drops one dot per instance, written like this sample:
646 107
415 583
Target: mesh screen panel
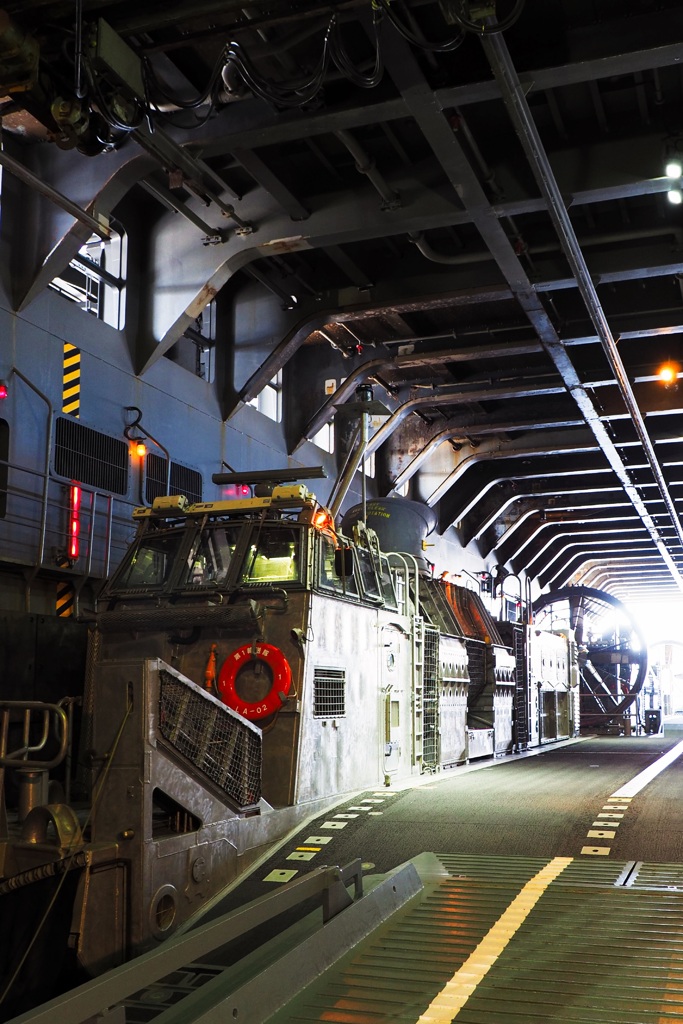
431 698
329 693
183 480
212 738
90 457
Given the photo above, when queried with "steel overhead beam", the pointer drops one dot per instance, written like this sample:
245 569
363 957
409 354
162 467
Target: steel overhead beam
458 395
465 428
367 369
570 568
515 101
486 462
540 79
421 102
527 535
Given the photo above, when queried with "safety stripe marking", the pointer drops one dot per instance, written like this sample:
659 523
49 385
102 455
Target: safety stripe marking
596 851
311 849
71 380
445 1006
648 774
319 840
280 875
64 603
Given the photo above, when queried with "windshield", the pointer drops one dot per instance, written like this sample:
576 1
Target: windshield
211 556
274 556
151 562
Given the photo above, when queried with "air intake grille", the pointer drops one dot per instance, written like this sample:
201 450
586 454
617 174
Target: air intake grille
329 693
90 457
430 691
183 480
212 738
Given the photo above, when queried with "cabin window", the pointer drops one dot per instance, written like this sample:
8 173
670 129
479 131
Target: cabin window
152 561
92 458
368 576
329 693
327 576
274 556
95 279
387 584
210 558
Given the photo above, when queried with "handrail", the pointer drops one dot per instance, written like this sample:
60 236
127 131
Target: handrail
108 520
405 557
92 998
19 758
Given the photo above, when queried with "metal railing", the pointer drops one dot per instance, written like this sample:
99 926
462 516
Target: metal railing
36 525
326 884
37 721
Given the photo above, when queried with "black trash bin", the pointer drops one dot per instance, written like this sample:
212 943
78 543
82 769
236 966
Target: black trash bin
653 720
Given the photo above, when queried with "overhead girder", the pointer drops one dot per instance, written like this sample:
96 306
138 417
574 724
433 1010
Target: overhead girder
480 472
482 514
515 101
540 528
403 69
563 543
527 520
563 567
574 569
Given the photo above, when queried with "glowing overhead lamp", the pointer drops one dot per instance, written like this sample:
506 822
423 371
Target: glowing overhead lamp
668 373
675 196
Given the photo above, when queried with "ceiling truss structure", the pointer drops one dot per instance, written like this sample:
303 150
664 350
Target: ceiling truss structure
464 202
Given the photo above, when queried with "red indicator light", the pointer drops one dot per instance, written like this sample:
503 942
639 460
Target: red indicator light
4 390
75 495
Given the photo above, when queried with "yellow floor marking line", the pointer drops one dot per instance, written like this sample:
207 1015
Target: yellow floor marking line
641 780
449 1002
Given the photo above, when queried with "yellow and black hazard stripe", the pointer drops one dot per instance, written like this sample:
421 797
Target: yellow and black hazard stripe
71 380
64 602
65 599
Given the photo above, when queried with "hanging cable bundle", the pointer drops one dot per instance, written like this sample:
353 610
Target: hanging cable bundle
446 47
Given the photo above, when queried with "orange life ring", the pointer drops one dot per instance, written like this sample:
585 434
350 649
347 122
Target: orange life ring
274 699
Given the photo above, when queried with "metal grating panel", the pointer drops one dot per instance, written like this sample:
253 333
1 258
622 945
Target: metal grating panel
430 698
183 480
329 693
90 457
589 952
212 738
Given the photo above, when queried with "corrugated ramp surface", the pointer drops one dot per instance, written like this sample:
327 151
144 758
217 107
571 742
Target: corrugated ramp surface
595 946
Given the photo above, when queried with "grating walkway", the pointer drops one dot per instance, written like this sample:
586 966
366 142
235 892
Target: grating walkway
603 942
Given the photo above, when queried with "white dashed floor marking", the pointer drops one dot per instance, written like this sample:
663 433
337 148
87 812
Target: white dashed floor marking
318 840
334 824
